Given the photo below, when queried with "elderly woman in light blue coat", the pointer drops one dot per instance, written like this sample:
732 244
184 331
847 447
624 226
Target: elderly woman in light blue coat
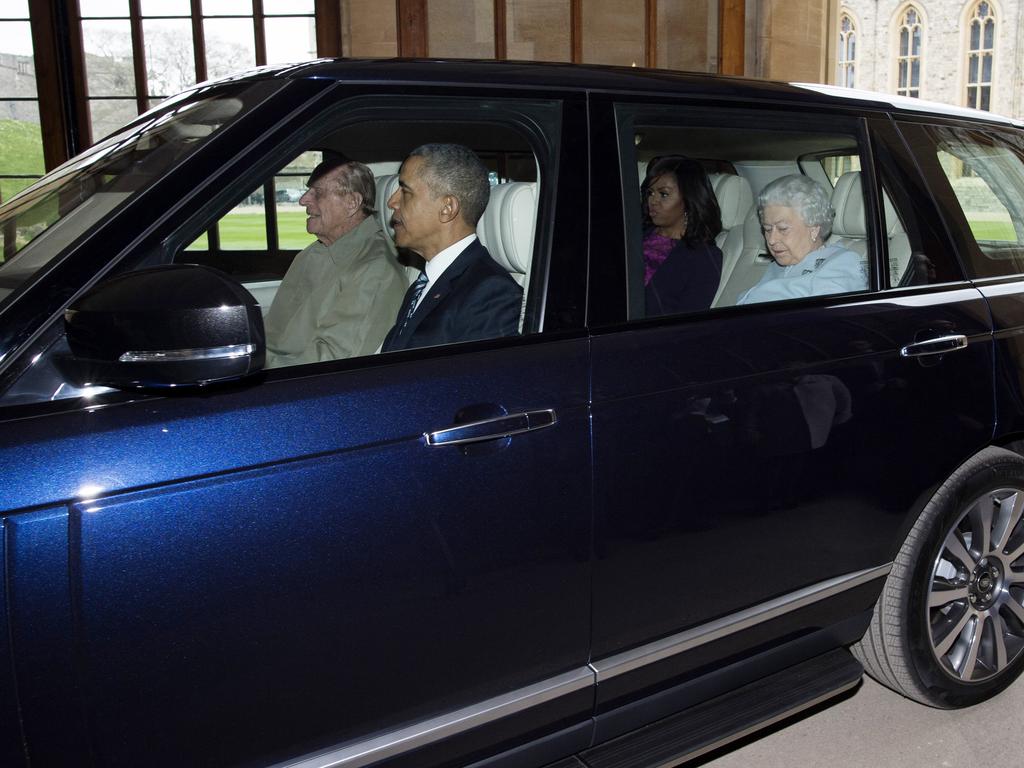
796 219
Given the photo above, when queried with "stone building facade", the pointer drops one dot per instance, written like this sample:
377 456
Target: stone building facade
962 52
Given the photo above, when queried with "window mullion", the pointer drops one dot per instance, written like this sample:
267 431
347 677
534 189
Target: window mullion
260 32
198 40
138 56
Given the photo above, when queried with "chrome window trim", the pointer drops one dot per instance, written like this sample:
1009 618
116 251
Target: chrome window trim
651 653
392 743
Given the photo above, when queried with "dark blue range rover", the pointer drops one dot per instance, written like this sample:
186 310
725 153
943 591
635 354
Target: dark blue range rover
618 537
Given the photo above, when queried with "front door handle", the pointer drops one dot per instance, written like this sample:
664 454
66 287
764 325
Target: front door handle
492 429
938 346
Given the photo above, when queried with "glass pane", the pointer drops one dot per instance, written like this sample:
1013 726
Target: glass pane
853 46
290 39
915 73
613 32
972 96
21 138
366 32
972 69
107 115
904 42
461 28
986 68
903 74
687 36
166 8
170 64
916 50
990 29
975 35
20 78
10 187
230 46
14 9
276 7
536 30
227 7
986 92
108 58
244 228
103 8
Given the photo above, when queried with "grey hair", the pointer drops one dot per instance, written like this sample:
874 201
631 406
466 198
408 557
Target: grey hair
805 196
354 177
453 169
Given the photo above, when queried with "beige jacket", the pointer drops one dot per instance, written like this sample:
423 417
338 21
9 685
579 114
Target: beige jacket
335 302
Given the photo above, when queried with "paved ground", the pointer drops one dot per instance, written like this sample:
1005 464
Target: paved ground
875 728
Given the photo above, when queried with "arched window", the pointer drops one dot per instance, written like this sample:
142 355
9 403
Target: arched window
981 42
845 65
908 80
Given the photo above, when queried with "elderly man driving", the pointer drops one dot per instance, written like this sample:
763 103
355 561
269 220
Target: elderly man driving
339 296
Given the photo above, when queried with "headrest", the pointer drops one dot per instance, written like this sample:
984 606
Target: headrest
848 201
386 186
507 226
753 235
734 198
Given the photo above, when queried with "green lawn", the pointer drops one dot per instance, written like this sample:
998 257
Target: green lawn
248 231
997 231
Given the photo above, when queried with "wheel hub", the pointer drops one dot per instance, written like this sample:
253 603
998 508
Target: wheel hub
986 583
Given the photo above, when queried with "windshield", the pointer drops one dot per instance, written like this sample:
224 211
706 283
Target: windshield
37 225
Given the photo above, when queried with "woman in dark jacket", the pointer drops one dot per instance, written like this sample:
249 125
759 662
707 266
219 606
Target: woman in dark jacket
682 264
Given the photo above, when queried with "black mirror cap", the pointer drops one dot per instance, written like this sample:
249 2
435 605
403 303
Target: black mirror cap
176 325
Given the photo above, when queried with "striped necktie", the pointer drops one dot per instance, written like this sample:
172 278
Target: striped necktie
414 296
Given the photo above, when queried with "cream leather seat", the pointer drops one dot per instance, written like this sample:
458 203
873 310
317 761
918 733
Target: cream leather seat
749 265
507 230
735 201
850 226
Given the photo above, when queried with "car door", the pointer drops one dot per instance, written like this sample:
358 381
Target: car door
755 465
258 572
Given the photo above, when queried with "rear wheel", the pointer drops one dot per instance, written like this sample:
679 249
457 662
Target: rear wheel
948 629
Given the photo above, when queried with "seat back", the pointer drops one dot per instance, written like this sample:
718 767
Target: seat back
850 226
507 230
735 201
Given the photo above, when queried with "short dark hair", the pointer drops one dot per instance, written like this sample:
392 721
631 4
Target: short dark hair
703 216
453 169
355 177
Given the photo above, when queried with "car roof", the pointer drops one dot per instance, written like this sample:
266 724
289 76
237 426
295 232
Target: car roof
602 78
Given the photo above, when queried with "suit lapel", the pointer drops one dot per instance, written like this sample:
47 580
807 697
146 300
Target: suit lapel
437 292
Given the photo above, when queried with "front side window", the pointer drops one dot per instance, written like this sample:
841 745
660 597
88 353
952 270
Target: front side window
846 65
910 35
981 45
724 216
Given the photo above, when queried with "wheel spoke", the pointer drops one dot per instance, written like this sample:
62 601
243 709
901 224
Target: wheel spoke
999 641
1010 510
980 516
1016 609
955 546
971 662
942 646
1012 557
1014 577
943 594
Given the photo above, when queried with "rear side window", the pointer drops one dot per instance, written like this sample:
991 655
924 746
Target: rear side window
723 212
984 170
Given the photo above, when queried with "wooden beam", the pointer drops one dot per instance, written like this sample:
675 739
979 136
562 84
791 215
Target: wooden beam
198 40
138 56
731 36
576 30
500 33
259 32
651 33
412 28
75 75
328 27
57 128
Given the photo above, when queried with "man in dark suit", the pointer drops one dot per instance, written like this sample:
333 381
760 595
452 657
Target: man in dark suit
462 294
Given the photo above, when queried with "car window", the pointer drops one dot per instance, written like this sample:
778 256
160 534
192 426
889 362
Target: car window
814 241
986 175
320 304
976 176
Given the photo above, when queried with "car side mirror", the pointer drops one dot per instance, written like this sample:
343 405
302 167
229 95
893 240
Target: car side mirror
177 325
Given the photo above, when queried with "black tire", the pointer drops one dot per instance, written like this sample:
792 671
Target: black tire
965 554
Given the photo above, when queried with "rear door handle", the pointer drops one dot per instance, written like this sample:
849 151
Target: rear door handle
938 346
492 429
